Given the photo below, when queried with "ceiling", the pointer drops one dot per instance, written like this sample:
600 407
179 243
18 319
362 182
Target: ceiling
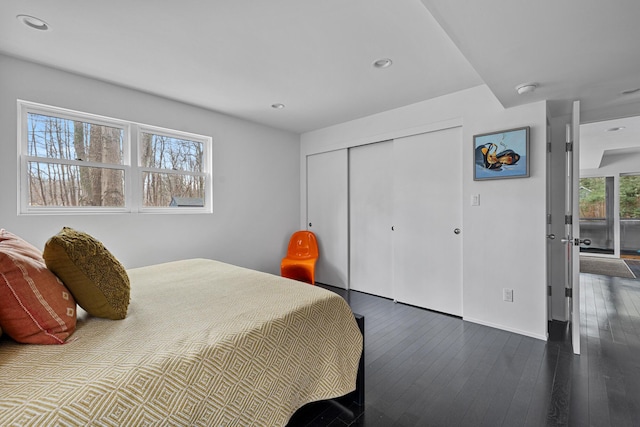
239 57
606 142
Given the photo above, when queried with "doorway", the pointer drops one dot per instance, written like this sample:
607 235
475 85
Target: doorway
610 187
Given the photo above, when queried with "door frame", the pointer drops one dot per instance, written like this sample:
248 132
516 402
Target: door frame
573 245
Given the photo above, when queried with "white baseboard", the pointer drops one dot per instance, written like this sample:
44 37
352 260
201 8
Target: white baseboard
506 328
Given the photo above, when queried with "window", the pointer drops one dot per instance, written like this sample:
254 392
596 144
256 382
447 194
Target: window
172 170
630 197
630 215
593 197
596 214
72 162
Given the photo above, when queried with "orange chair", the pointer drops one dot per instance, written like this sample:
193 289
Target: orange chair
302 254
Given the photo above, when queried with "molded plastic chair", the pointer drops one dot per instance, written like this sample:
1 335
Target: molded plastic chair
302 254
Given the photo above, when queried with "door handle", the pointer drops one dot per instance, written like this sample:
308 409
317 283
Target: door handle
576 241
456 231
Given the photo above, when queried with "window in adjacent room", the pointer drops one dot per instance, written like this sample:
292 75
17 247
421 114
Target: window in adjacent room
630 215
596 214
73 162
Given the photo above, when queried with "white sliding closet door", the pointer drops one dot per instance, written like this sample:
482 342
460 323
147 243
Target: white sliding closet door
370 199
427 212
327 214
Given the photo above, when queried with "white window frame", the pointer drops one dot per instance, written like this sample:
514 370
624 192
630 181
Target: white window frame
130 165
207 154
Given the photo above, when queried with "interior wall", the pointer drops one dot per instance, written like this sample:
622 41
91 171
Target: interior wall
504 239
256 199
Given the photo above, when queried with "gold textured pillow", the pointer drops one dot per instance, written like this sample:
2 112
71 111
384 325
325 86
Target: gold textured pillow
95 278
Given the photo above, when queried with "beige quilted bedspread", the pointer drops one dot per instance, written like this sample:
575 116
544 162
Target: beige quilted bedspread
204 344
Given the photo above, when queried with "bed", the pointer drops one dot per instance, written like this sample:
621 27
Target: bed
204 343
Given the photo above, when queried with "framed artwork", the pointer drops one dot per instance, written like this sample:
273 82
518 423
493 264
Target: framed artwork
503 154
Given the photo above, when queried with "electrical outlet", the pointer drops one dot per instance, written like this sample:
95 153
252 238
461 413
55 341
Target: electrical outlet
507 295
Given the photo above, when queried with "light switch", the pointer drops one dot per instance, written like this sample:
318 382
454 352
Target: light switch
475 200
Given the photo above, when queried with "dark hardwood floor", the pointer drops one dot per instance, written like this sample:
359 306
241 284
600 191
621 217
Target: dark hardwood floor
634 266
429 369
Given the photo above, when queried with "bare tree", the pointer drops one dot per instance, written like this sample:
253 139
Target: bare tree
112 178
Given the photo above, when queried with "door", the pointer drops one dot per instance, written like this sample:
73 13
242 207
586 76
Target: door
550 235
427 220
572 227
370 212
327 215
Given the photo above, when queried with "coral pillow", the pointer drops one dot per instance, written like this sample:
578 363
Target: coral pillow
97 280
35 307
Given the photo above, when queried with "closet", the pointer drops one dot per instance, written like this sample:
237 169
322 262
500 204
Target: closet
371 218
406 218
328 216
388 218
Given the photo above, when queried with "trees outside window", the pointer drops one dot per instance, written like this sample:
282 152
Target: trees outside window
630 197
593 198
630 215
77 162
593 194
74 163
598 220
172 170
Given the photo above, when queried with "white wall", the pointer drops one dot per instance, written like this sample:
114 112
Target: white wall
255 176
504 239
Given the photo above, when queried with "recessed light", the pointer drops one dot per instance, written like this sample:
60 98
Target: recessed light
33 22
630 91
615 129
526 88
277 106
383 63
